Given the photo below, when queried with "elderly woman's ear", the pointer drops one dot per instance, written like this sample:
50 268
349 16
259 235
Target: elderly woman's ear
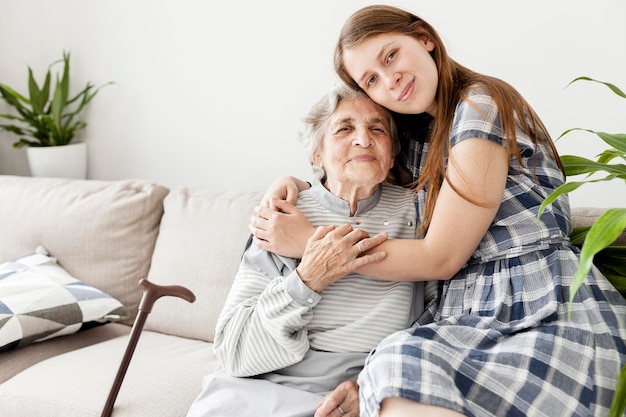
317 159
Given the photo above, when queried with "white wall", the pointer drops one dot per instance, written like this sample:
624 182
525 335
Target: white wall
213 95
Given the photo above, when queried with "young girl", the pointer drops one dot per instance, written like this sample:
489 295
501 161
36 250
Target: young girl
481 162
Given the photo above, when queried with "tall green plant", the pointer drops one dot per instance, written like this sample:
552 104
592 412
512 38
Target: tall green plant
46 118
597 239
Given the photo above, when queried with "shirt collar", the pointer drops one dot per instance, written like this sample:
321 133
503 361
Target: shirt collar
339 206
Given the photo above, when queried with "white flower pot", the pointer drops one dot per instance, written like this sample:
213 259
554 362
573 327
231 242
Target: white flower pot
67 161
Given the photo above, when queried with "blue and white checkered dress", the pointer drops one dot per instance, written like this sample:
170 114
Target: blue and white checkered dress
501 343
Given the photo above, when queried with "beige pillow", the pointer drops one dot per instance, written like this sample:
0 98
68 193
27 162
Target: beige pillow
101 232
202 237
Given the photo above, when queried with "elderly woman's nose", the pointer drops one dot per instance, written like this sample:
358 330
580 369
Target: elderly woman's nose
362 138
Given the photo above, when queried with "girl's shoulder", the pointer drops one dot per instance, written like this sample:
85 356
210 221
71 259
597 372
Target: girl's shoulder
477 95
476 116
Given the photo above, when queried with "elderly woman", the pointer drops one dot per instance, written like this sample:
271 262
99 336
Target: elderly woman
292 330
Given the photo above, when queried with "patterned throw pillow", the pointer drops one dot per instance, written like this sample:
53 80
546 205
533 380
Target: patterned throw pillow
39 300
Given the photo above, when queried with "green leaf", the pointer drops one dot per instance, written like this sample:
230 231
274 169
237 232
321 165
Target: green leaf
578 235
566 188
49 117
65 79
608 155
12 128
616 140
603 232
10 117
618 404
613 258
17 101
611 86
35 93
8 92
58 104
577 165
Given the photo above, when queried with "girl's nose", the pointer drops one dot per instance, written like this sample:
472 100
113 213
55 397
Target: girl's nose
392 79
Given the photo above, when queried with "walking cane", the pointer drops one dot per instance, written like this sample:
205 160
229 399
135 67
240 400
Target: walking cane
151 293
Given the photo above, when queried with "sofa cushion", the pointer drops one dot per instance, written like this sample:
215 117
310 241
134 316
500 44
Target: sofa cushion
12 362
39 300
102 232
163 378
203 234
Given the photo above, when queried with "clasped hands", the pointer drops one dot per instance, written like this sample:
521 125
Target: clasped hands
327 253
333 252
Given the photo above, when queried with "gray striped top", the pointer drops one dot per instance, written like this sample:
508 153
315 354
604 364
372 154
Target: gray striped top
271 318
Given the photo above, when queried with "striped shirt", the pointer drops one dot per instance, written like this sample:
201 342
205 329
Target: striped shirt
271 318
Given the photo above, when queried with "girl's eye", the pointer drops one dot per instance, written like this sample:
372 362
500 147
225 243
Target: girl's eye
391 55
370 81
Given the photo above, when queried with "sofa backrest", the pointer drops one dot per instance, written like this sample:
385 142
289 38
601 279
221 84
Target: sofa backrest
586 216
202 237
101 232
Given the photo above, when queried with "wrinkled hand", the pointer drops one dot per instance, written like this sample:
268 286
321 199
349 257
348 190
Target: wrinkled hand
345 396
333 252
282 229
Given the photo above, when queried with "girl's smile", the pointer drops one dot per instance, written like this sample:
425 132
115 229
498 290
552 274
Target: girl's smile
408 90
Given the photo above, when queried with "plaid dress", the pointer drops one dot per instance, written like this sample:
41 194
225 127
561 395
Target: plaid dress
499 342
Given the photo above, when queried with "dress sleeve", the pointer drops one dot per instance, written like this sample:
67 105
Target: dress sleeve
263 325
477 116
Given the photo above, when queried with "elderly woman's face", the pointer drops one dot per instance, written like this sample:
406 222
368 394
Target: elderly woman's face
356 149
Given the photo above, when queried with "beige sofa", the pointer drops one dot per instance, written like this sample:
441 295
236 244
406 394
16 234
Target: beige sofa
110 235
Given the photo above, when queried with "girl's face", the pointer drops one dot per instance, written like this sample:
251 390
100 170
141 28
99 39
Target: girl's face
396 71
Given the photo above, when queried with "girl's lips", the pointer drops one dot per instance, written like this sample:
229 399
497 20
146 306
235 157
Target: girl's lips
406 92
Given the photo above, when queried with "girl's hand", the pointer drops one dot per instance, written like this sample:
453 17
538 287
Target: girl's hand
284 188
281 229
333 252
343 401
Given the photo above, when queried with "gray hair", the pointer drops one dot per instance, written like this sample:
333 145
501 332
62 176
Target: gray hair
316 122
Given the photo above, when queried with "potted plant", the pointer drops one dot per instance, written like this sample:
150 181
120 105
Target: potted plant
596 241
48 119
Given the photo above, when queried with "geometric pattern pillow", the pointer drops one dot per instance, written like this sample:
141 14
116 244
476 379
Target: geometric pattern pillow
39 300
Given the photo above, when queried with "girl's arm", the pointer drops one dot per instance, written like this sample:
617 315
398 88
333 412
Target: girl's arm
478 169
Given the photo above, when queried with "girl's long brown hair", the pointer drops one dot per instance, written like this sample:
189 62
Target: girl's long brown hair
454 81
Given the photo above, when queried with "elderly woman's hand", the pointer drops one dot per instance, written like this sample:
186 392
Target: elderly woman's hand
343 401
333 252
